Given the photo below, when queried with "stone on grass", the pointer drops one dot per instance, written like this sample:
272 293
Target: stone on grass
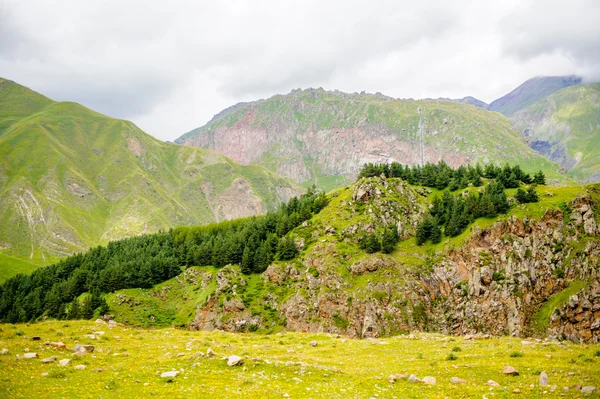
429 380
509 370
100 321
588 389
58 345
44 374
456 380
80 367
543 379
210 352
413 378
169 375
395 377
50 359
65 362
97 370
30 355
313 343
493 383
4 351
234 360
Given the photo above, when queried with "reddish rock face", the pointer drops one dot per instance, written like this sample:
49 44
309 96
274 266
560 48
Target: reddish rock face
313 133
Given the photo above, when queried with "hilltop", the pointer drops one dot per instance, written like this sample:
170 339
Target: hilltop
72 178
351 263
565 127
530 92
324 137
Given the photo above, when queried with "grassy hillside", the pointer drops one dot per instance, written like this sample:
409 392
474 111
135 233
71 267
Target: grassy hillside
71 178
565 127
324 137
530 92
129 362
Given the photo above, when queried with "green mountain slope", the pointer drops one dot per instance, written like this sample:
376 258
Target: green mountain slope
323 137
71 178
530 92
565 127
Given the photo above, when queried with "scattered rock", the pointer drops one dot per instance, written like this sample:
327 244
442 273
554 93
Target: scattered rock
65 362
429 380
30 355
210 352
493 383
80 367
4 351
100 321
509 370
413 378
58 345
588 389
456 380
543 379
50 359
169 375
234 361
44 374
313 343
395 377
97 370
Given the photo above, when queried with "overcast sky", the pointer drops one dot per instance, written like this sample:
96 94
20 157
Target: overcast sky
170 66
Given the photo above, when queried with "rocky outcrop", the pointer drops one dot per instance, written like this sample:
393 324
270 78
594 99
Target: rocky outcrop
579 319
494 284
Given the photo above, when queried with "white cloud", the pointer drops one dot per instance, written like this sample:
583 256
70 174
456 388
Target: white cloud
171 66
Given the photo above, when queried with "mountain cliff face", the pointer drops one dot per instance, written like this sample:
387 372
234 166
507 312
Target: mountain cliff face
531 91
565 127
316 136
533 271
71 178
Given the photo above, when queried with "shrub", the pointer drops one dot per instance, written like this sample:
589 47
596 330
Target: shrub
452 356
456 349
516 354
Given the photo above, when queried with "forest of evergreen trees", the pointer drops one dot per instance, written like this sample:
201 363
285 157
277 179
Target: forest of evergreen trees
451 214
442 176
141 262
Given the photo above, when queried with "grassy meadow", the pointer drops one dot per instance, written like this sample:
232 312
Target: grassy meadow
128 362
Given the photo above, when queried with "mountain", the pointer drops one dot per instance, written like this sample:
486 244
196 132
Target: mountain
71 178
530 92
565 127
351 263
324 137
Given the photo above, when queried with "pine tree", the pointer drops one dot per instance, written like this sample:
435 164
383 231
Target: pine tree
86 311
389 240
539 178
246 265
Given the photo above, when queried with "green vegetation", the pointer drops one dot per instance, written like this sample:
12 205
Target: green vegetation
141 262
128 363
541 319
71 179
442 176
564 127
323 127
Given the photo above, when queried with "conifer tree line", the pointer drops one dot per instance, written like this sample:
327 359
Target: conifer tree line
140 262
442 176
451 214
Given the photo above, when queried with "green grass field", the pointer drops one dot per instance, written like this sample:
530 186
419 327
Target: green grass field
283 365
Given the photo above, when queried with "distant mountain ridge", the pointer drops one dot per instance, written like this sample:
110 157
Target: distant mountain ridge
71 178
565 127
323 137
530 92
